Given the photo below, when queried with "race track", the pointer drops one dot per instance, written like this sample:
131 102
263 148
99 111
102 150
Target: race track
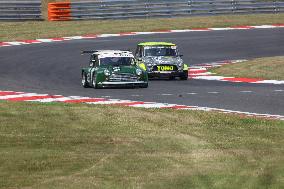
54 68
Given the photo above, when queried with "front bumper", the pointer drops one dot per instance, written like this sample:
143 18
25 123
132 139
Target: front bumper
130 84
166 74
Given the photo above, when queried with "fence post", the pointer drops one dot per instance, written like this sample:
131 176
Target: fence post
275 6
190 5
146 9
234 7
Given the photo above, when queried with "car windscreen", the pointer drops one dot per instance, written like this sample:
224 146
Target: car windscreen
116 61
160 51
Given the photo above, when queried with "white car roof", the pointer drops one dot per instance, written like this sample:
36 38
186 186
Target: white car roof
113 53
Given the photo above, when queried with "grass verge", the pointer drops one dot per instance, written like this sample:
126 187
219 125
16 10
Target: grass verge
264 68
33 30
84 146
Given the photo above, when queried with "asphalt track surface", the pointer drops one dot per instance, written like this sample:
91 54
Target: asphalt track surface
54 68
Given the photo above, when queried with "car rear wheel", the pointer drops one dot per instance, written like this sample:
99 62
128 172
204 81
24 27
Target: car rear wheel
84 81
94 82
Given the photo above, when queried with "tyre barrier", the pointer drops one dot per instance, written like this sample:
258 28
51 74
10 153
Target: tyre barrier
59 11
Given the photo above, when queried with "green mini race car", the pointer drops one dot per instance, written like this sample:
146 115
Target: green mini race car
109 68
161 59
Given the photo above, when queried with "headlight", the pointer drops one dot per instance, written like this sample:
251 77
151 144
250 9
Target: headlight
106 72
138 71
180 64
148 63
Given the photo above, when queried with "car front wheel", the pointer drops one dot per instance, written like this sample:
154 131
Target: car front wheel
94 83
84 81
184 76
145 85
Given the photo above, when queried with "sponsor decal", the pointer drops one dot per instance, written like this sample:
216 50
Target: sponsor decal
165 68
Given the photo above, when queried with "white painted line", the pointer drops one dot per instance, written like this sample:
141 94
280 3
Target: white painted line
238 61
221 29
45 40
21 95
17 43
134 95
264 27
59 98
78 97
92 36
180 31
213 92
201 74
166 94
280 90
111 101
108 35
210 77
145 33
245 91
154 105
277 82
74 37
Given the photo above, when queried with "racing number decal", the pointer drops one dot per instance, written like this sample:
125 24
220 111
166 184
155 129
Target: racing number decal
165 68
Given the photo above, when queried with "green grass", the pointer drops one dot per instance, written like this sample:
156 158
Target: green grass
43 29
85 146
264 68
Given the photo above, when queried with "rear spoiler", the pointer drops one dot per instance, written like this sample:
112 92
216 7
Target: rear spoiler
88 52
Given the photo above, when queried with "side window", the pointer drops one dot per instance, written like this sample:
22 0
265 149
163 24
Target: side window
138 53
96 63
141 51
92 61
177 51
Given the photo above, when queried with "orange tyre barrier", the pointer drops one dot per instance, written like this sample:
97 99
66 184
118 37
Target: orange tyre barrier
59 11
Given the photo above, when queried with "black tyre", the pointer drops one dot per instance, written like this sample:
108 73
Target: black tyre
171 77
94 82
84 81
184 76
145 85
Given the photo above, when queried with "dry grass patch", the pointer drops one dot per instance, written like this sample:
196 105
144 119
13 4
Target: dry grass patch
85 146
264 68
33 30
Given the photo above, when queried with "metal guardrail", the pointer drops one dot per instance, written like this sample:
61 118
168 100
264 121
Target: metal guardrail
20 10
124 9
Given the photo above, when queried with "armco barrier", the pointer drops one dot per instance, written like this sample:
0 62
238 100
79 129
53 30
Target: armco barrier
20 10
59 11
124 9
